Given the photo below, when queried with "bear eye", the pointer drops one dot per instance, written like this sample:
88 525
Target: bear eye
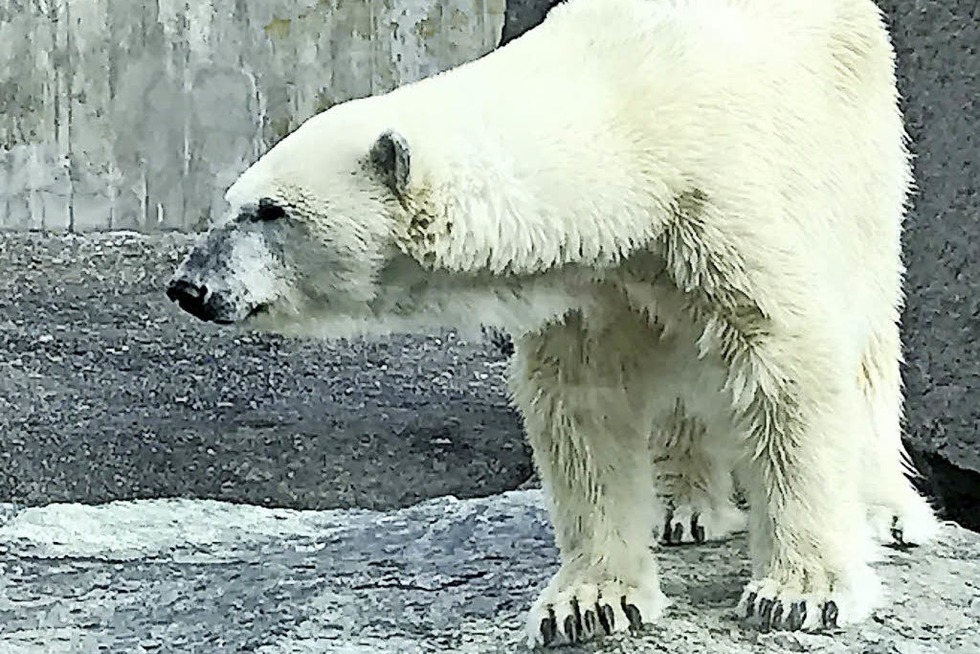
269 210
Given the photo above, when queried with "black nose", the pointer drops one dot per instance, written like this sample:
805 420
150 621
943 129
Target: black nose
190 297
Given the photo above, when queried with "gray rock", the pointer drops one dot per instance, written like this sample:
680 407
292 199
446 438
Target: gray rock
443 576
522 15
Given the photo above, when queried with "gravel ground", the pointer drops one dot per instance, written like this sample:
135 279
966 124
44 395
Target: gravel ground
108 392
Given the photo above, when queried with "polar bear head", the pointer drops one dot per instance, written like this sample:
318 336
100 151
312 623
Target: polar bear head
310 227
395 212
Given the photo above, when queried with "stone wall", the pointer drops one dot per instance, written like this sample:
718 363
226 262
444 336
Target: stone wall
136 114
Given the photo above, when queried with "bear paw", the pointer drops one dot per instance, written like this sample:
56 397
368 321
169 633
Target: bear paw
686 524
579 611
914 525
770 605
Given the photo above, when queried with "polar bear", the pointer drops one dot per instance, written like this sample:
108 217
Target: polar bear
687 213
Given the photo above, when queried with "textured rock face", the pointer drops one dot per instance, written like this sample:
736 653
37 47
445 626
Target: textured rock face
137 114
521 15
443 576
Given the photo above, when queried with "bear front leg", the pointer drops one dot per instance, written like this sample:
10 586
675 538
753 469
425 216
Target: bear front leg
810 543
579 392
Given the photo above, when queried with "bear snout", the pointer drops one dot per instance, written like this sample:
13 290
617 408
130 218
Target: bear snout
197 301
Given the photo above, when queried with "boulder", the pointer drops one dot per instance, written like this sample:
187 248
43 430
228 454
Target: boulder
522 15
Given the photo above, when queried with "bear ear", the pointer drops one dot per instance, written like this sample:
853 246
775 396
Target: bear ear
390 158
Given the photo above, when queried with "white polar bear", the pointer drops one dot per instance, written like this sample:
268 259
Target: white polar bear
688 214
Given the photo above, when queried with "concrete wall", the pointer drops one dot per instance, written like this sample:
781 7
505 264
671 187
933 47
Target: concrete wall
136 114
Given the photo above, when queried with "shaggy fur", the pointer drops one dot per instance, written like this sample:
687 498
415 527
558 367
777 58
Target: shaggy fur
688 215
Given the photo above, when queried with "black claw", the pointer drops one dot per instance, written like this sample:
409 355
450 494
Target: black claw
829 615
576 619
572 630
898 535
765 613
678 533
776 620
666 535
549 627
632 614
797 616
750 605
697 531
590 623
607 618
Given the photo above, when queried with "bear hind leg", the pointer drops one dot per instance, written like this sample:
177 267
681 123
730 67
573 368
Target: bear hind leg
693 477
899 515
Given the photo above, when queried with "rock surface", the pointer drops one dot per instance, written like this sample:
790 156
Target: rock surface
521 15
443 576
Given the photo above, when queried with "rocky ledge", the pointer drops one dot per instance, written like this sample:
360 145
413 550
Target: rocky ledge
442 576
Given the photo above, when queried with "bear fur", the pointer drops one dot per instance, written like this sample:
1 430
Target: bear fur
688 215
